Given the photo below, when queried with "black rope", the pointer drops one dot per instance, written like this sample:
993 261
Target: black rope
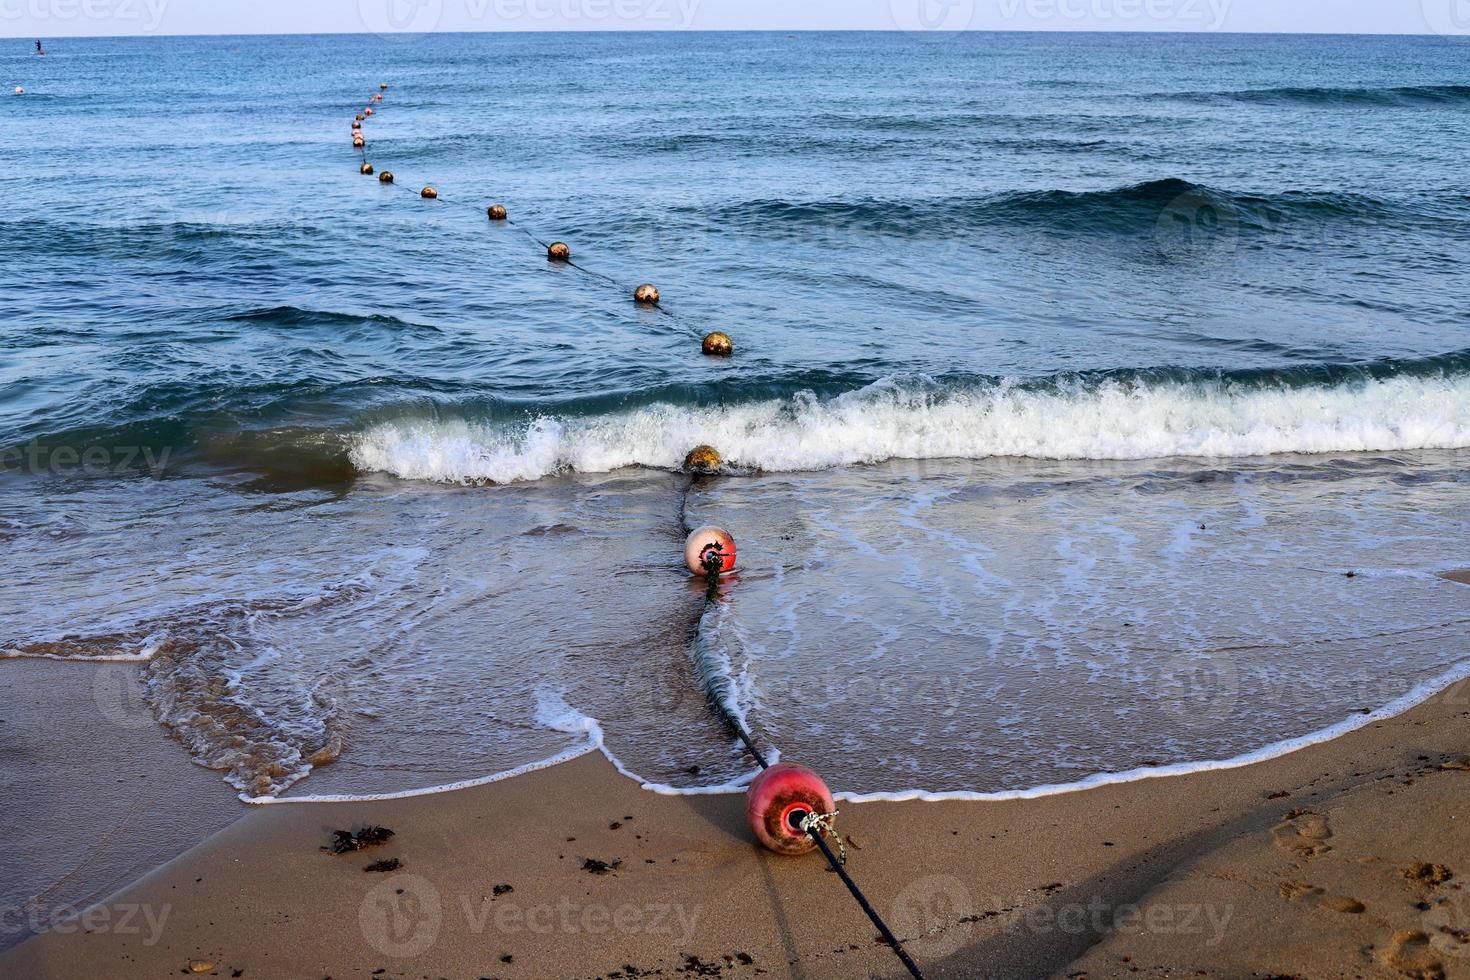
862 901
713 560
525 230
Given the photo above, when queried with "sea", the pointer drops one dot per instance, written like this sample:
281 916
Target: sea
1099 404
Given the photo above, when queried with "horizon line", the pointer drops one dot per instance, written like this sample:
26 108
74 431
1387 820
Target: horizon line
740 30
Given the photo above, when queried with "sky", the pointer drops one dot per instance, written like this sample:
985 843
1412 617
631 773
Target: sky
73 18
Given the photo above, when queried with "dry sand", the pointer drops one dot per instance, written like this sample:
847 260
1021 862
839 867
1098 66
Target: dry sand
1348 858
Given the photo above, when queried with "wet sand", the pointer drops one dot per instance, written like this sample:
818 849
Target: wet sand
1347 858
93 794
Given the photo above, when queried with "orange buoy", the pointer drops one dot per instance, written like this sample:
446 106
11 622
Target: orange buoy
558 252
366 168
705 540
358 117
386 177
429 193
646 293
496 212
703 459
718 344
778 800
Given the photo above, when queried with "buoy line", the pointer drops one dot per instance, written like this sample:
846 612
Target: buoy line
794 795
788 807
646 295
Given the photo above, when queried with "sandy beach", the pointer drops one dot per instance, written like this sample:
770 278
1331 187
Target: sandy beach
442 460
1343 859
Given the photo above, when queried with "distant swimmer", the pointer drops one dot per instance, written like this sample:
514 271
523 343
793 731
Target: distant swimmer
40 50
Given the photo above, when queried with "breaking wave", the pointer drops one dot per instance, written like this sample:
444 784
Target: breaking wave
1420 405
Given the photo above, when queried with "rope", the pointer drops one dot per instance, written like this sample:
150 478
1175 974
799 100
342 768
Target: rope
817 826
545 245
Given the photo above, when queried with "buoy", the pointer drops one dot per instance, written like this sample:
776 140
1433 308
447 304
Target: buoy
386 177
707 539
429 193
19 90
358 141
646 293
558 252
703 459
366 168
718 344
367 112
383 86
778 800
496 212
356 124
358 117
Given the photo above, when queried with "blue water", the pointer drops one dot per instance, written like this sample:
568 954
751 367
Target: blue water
191 256
1066 366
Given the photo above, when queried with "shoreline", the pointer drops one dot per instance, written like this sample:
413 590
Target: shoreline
968 885
597 744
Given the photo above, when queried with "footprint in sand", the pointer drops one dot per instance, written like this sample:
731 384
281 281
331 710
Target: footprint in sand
1300 891
1447 923
1411 954
1303 832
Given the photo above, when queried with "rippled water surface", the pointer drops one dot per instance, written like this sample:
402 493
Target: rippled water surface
1072 375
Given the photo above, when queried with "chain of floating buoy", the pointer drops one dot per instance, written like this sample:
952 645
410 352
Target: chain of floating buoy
798 799
716 344
711 550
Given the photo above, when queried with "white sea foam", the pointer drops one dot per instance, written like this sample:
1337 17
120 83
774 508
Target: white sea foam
918 419
555 713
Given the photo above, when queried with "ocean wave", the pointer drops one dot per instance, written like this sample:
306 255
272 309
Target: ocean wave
1395 95
296 316
1130 209
1107 416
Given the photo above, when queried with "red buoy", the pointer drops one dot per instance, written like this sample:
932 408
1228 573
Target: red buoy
367 112
707 539
778 800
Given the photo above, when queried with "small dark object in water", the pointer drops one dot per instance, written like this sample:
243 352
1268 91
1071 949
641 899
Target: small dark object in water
496 212
718 344
596 867
386 177
1350 574
366 168
388 864
647 294
345 841
703 460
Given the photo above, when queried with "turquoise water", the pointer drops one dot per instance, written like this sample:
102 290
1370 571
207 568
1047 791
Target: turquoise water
363 479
